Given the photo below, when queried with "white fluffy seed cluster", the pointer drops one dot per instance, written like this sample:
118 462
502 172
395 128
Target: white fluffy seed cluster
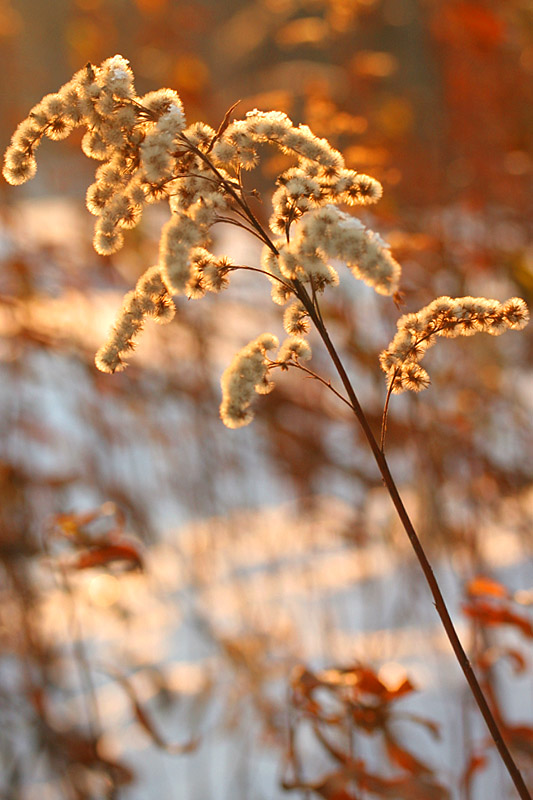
303 188
293 349
296 320
238 144
449 317
149 299
133 138
248 373
327 233
320 177
147 153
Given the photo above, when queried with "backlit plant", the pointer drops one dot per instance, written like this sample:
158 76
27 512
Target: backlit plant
147 153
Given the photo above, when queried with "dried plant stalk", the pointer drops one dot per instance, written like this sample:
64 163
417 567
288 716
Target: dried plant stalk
148 153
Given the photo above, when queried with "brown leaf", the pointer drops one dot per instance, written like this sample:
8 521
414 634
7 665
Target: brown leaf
410 787
71 525
520 738
488 614
330 787
106 554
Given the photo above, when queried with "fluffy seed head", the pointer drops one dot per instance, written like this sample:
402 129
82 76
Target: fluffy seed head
448 317
246 374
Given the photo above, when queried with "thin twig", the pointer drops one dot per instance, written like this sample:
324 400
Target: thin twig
239 199
314 375
223 125
386 412
236 267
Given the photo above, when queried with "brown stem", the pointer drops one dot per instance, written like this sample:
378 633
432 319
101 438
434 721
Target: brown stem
440 604
239 199
386 412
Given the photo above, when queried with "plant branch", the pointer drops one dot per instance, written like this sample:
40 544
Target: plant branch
235 267
386 412
239 199
316 376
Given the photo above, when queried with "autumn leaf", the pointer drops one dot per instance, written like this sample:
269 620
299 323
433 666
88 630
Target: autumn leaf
331 787
488 614
520 738
481 585
102 555
410 787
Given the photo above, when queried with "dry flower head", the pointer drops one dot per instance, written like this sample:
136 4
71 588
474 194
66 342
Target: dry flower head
449 317
146 153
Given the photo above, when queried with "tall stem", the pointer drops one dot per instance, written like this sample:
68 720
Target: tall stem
314 313
440 604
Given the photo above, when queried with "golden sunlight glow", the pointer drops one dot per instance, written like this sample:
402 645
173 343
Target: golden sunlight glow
392 675
104 590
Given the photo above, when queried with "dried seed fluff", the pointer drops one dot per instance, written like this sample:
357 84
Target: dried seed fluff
449 317
247 373
145 153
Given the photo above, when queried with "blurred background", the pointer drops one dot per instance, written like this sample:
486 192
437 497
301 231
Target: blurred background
188 611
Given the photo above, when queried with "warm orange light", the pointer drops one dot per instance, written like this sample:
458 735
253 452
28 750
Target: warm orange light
104 590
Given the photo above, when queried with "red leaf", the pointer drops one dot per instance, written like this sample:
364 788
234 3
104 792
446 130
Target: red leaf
369 683
105 554
488 614
364 680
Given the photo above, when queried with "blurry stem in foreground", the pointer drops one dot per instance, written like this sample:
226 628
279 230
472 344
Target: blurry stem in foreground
438 598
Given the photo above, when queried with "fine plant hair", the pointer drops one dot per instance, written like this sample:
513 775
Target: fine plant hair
147 153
